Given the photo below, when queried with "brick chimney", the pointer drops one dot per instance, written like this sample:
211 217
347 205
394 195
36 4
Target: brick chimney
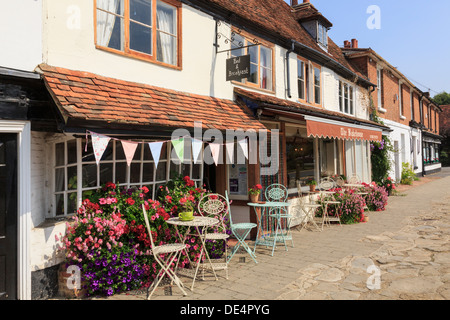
347 44
354 44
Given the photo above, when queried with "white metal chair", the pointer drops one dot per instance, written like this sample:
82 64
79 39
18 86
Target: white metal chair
169 252
215 205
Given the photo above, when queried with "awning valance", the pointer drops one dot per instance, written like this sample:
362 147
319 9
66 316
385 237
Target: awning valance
324 128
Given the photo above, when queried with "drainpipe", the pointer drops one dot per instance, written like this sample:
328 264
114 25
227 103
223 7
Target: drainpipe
288 74
422 117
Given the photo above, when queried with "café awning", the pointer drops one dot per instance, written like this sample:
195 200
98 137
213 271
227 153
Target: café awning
326 128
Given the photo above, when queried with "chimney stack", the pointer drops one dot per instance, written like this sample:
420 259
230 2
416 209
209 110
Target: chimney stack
354 44
347 44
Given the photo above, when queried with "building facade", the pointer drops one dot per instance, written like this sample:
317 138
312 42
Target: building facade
137 70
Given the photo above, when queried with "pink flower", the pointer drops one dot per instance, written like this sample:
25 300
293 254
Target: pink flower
102 201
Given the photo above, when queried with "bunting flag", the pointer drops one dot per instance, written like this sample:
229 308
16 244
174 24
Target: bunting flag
230 151
215 150
99 144
196 149
244 147
129 148
178 145
155 148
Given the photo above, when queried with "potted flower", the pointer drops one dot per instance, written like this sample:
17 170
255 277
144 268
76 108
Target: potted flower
312 184
186 210
254 192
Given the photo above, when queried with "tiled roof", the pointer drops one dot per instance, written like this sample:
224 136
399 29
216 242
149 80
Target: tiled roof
279 18
87 96
294 106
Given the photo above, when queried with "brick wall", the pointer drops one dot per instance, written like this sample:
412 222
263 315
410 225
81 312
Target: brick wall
444 120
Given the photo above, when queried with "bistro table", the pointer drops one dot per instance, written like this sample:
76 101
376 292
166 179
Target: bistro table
267 234
197 223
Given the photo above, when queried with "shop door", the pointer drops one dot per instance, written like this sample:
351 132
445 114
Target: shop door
8 216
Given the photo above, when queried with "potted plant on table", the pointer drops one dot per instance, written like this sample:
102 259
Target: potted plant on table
186 211
254 192
312 184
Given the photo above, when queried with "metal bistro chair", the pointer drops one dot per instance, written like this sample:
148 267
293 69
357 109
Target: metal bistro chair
216 205
278 193
240 231
169 251
307 208
325 186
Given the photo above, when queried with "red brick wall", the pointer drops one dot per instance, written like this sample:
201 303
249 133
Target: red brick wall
444 120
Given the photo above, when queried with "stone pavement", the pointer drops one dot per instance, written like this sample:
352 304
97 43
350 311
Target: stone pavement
400 253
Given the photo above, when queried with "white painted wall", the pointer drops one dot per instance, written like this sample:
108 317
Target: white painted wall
20 34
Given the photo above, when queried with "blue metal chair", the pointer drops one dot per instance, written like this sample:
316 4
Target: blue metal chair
240 231
278 193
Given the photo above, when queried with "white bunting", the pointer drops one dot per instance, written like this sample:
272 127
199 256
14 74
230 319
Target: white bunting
155 149
244 147
215 150
230 151
196 149
99 144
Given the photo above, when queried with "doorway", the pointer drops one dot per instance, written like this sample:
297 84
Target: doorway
8 216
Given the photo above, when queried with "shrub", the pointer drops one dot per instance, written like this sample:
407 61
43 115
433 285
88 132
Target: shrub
380 159
377 197
408 175
388 184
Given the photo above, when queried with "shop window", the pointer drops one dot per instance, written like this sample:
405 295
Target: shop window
71 162
261 61
145 29
299 156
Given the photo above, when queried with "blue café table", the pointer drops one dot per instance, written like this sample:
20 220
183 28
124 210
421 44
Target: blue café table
270 228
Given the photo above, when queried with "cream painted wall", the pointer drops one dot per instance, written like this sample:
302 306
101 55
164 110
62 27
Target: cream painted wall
20 34
69 42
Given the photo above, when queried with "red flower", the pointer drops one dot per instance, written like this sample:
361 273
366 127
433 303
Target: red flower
130 201
258 186
145 189
188 181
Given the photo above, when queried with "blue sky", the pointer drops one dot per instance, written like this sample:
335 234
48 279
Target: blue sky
414 35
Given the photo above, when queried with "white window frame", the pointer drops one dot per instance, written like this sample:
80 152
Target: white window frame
349 100
380 89
400 100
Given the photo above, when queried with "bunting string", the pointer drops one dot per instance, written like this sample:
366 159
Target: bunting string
100 143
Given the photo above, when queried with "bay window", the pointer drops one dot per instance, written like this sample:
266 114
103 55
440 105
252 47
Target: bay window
146 29
76 174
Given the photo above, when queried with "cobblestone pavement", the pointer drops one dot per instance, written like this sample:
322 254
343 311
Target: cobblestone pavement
400 253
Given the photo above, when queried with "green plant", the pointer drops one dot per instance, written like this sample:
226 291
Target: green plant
380 159
408 175
350 208
311 182
387 184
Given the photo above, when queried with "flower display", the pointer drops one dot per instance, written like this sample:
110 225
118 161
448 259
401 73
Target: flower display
255 190
351 207
377 197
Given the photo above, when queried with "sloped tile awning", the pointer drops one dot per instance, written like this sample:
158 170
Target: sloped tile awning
320 128
87 98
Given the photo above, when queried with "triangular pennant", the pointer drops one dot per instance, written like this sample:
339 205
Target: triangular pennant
129 148
99 144
244 147
178 145
155 148
230 151
196 149
215 150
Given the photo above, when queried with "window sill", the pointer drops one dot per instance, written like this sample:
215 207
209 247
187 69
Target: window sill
52 222
248 86
141 57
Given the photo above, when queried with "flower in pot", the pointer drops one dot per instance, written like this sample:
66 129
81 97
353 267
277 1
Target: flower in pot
312 184
186 210
254 192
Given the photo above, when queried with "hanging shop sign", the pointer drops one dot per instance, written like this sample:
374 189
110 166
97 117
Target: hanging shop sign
238 68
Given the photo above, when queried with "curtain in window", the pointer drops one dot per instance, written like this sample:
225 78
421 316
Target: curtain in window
105 21
266 64
165 19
